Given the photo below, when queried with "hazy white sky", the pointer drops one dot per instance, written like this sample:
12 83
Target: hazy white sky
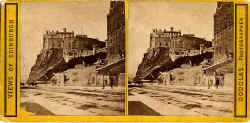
189 17
36 17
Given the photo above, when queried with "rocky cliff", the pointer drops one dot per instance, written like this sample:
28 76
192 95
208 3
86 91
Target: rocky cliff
152 60
51 61
47 62
158 59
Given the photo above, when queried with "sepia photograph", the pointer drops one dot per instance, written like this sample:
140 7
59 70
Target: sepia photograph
73 57
180 58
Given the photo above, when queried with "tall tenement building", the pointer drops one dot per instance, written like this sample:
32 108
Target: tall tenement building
114 68
223 31
116 31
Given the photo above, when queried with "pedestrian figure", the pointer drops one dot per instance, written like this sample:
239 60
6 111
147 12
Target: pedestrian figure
103 85
111 81
121 54
166 78
206 76
210 79
198 79
209 82
217 82
161 78
217 79
222 81
170 78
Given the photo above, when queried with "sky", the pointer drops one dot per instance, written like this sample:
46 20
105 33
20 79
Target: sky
189 17
36 17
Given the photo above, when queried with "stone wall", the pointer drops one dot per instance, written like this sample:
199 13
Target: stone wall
72 45
162 38
223 31
189 42
115 31
175 40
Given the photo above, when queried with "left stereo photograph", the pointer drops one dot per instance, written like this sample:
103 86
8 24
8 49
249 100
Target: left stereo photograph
72 57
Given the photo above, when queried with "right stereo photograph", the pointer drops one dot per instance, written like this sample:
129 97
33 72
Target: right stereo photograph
180 58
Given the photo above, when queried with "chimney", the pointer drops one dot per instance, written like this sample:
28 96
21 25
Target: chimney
112 4
165 30
171 29
64 29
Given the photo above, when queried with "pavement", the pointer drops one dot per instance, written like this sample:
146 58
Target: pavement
143 109
72 100
151 99
175 100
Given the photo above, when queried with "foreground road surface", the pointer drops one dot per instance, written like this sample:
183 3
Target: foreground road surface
73 100
181 100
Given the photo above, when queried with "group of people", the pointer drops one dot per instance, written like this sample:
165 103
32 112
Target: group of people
216 79
166 78
211 79
111 80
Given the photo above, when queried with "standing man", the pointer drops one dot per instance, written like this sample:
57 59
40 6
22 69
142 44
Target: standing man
211 79
165 78
111 81
103 84
217 79
222 80
162 78
170 77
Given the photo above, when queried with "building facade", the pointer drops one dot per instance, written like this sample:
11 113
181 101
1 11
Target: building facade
72 45
55 39
223 31
162 38
189 42
116 31
176 41
111 73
